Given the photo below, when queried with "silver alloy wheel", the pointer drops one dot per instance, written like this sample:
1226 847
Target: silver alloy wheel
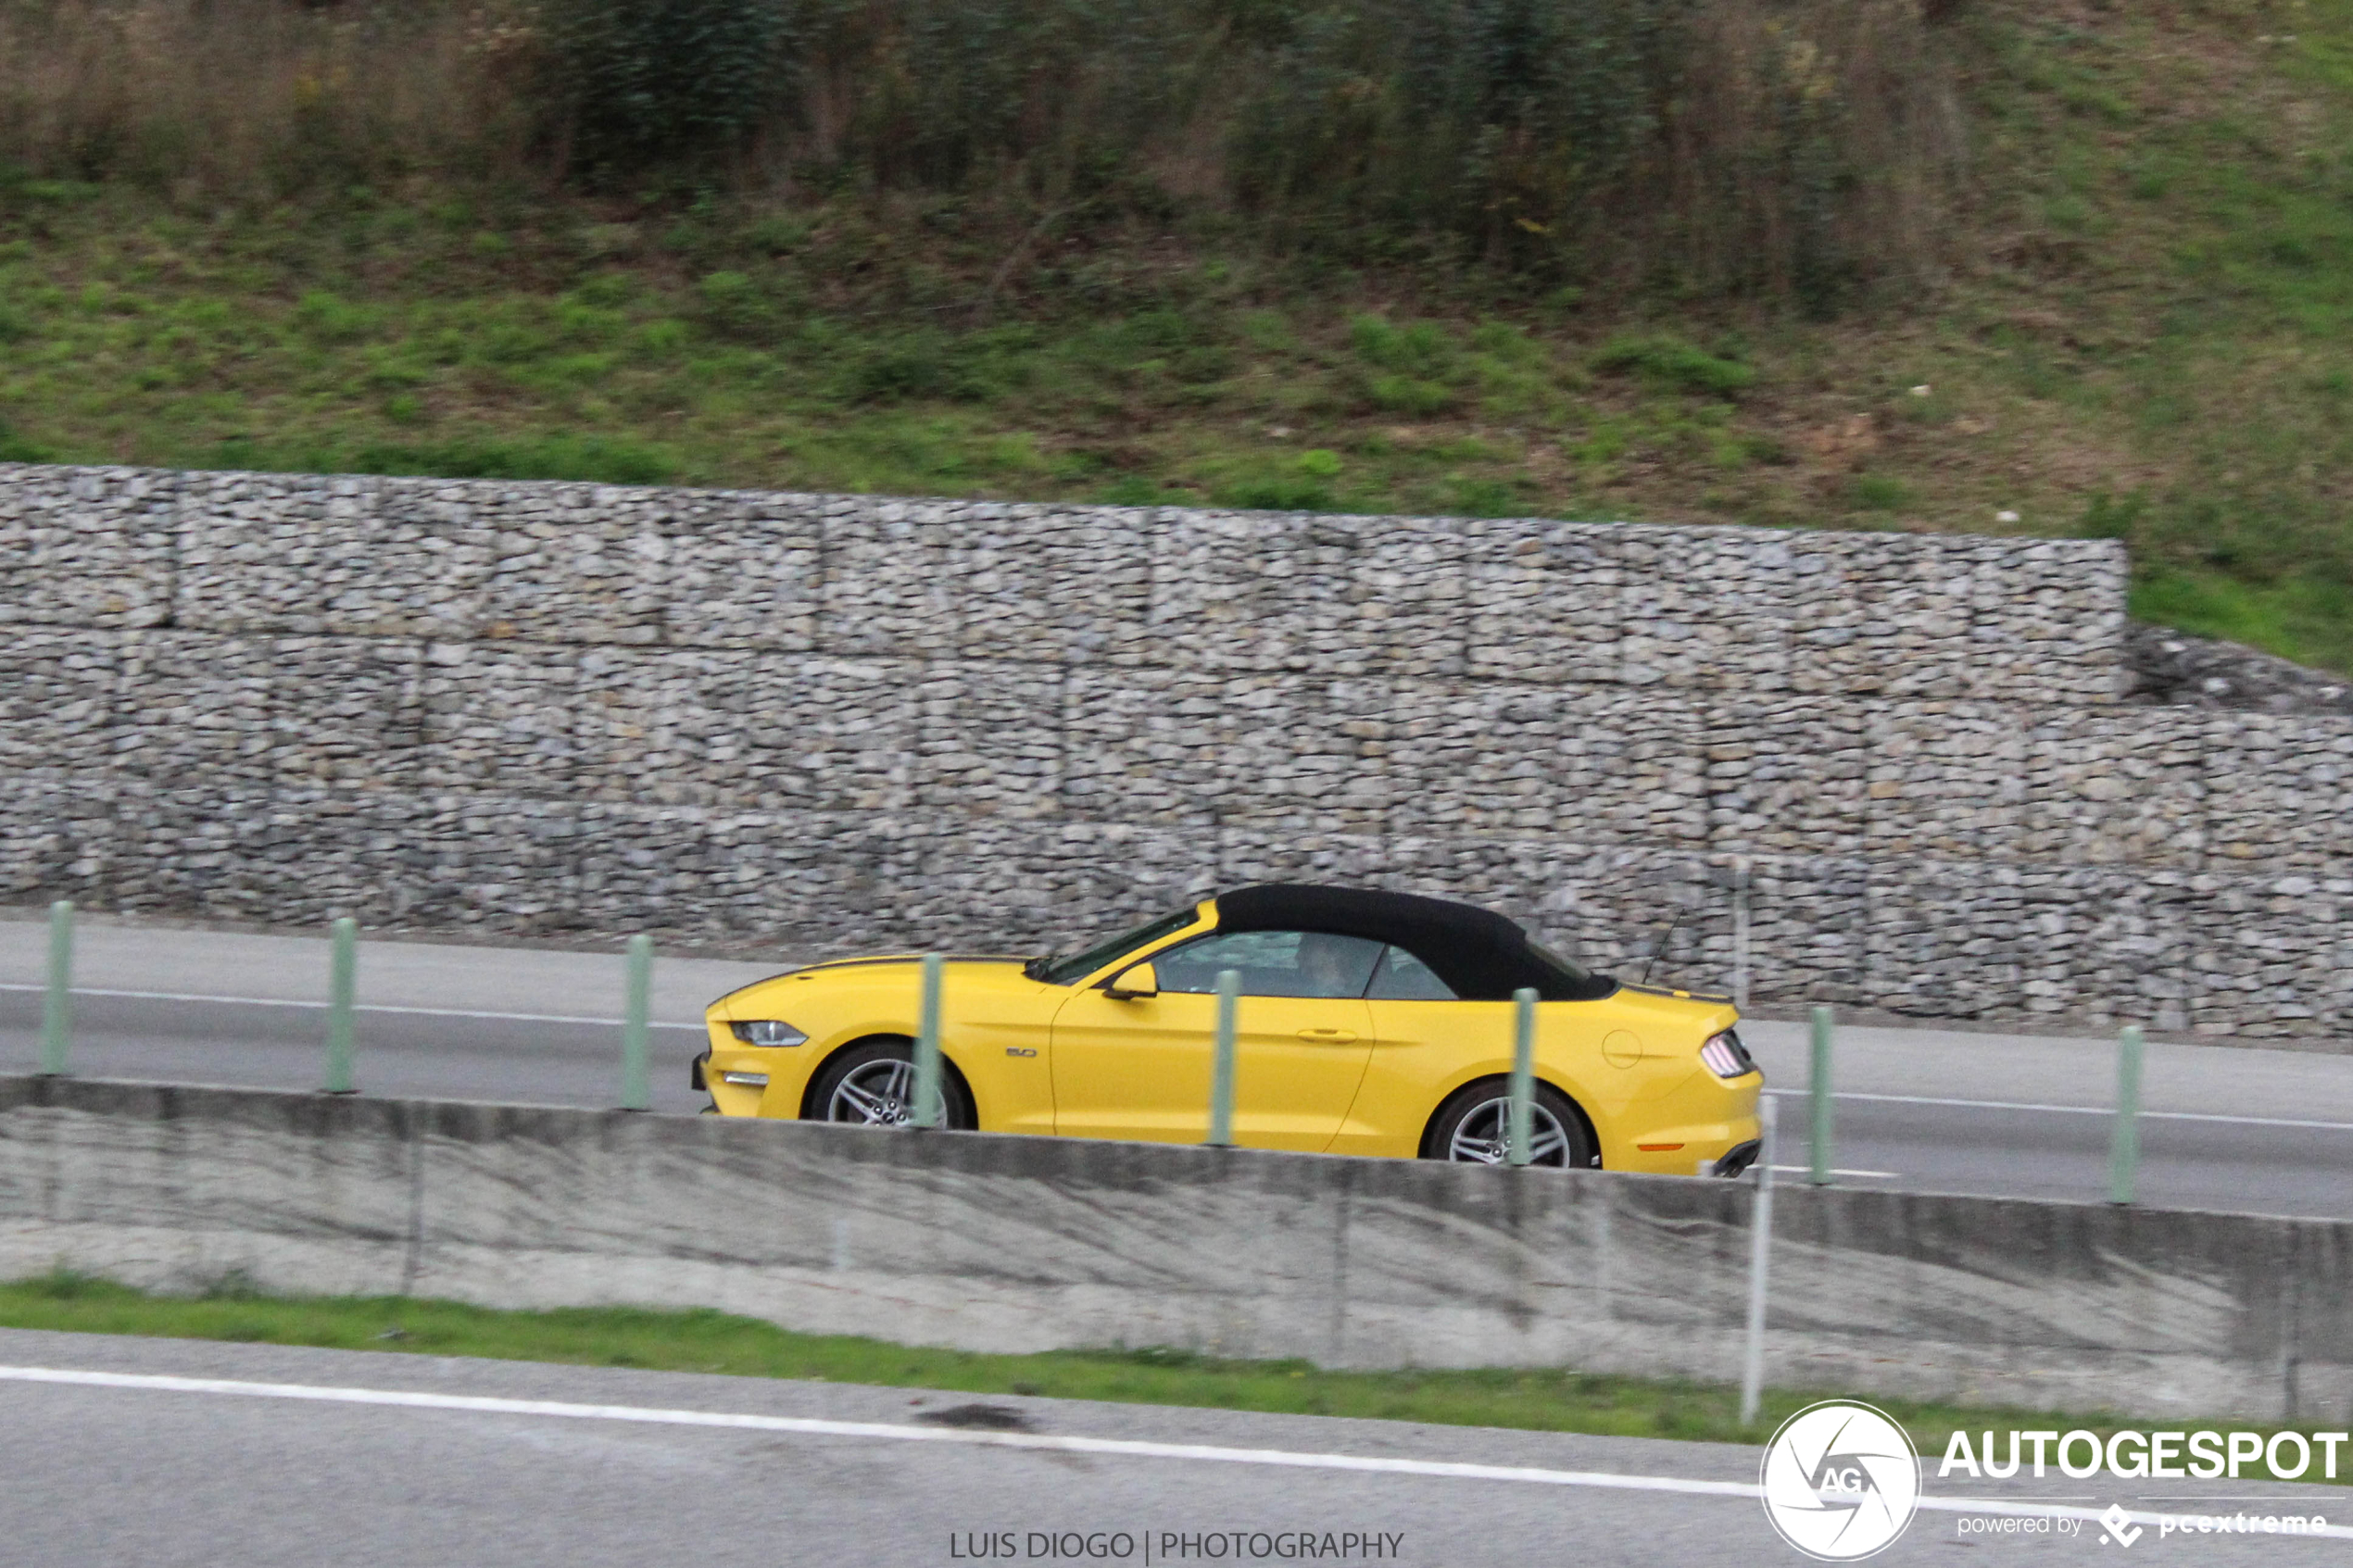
1478 1137
878 1094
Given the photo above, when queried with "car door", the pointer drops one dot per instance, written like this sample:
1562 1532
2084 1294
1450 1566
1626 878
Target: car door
1421 1034
1139 1067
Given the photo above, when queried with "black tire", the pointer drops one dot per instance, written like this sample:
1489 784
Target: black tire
881 1071
1469 1127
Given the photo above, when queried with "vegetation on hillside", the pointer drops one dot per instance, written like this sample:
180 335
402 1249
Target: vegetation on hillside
2078 268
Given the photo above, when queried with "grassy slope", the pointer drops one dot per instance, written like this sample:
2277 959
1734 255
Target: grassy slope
1543 1401
2143 333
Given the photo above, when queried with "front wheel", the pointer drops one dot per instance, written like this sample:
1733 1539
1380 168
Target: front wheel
1470 1128
872 1085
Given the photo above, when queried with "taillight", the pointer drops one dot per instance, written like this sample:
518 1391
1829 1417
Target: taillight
1726 1057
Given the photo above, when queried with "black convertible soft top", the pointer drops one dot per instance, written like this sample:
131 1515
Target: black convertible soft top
1479 954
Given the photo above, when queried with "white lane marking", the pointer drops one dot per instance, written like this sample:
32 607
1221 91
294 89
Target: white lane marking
363 1007
1808 1170
1127 1447
2077 1110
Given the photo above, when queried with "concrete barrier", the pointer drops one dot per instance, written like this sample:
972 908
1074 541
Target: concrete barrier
1000 1242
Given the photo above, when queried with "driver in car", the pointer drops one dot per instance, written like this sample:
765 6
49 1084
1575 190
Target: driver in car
1331 966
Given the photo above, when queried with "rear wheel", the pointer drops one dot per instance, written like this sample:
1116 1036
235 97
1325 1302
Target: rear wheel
1470 1127
872 1085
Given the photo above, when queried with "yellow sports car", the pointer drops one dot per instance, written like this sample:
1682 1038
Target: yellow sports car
1369 1023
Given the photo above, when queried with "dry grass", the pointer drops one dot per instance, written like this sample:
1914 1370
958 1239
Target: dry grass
1784 102
1756 146
246 98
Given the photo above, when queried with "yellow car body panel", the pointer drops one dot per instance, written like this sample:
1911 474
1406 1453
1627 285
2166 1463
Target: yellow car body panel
1659 1094
1141 1069
1343 1075
995 1023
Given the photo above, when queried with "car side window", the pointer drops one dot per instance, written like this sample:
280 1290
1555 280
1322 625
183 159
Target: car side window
1271 963
1401 977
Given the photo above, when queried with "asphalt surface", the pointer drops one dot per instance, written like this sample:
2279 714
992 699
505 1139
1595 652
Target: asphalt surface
535 1025
1921 1110
310 1468
2223 1127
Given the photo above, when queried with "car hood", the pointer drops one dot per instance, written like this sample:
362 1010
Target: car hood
880 968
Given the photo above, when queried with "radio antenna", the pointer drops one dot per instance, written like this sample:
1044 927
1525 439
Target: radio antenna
1661 950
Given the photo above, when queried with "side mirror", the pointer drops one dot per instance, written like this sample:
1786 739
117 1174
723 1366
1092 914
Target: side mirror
1130 984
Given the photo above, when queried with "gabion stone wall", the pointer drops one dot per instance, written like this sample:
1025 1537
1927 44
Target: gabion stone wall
841 722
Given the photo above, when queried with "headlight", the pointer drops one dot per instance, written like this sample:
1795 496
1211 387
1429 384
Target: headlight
1724 1054
767 1031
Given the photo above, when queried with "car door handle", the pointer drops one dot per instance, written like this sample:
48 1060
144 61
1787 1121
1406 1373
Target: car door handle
1328 1037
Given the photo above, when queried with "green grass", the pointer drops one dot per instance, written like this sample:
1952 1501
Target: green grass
2145 338
374 341
1541 1400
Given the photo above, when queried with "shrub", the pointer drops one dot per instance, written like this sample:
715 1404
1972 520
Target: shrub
596 460
254 98
1777 146
1410 395
736 306
640 80
1419 350
1485 497
1275 495
929 364
15 449
1675 365
912 366
1130 490
326 317
1878 493
2106 516
1507 343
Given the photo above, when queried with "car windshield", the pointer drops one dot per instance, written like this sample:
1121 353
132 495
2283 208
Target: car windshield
1057 971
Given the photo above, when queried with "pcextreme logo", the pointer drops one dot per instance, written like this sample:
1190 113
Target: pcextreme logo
1841 1481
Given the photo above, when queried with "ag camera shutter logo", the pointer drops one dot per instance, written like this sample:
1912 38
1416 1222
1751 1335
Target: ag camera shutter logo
1841 1481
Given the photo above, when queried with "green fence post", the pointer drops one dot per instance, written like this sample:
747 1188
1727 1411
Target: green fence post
1522 1113
342 987
1817 1124
1221 1067
2124 1153
926 1106
636 1091
56 1003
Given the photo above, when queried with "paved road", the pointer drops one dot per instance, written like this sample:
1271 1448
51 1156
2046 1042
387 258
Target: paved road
313 1466
537 1025
1923 1110
1935 1110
